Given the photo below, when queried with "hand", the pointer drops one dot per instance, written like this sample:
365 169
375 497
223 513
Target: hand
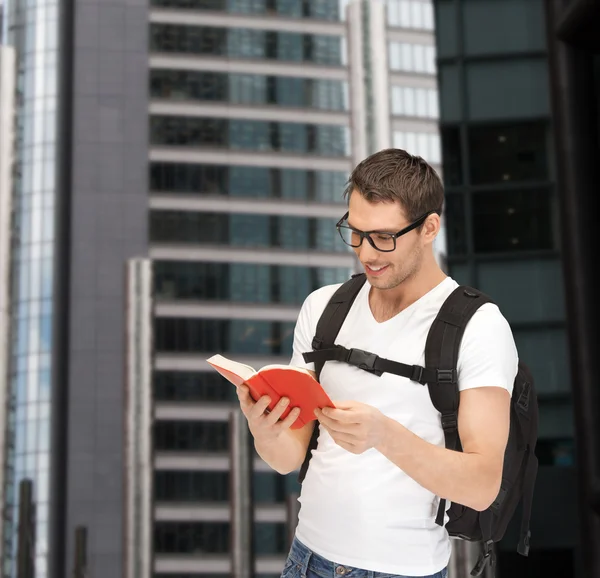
265 425
354 426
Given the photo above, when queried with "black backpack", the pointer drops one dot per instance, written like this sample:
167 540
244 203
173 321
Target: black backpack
440 375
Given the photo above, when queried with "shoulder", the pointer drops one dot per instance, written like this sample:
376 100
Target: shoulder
488 354
316 301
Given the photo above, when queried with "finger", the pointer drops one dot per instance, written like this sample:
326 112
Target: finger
341 415
277 411
288 422
332 424
246 401
260 406
348 447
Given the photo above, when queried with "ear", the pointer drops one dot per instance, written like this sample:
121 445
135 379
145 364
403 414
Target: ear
431 228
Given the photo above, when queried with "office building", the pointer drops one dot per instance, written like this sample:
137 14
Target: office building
221 153
249 152
502 153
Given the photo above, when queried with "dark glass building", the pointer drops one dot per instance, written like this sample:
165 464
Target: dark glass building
507 152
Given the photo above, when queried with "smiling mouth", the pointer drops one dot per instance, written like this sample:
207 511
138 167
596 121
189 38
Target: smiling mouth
376 270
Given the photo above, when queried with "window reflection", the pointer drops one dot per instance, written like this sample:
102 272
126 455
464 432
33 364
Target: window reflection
321 94
513 221
318 9
191 386
247 283
203 436
199 486
213 538
241 134
224 336
251 182
246 43
502 153
244 230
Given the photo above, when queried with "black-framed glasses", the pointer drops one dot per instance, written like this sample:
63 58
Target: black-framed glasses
380 240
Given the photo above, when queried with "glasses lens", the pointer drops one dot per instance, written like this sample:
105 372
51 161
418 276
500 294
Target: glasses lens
349 236
383 241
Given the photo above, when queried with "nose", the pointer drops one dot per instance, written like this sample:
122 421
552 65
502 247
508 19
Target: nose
366 252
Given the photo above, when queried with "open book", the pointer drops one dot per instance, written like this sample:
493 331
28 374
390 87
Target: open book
277 381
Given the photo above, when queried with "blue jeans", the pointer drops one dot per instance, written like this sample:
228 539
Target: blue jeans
304 563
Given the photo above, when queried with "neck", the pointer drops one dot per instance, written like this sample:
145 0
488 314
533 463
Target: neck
410 290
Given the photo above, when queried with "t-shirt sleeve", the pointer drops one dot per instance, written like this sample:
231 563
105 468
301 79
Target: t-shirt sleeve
488 355
303 334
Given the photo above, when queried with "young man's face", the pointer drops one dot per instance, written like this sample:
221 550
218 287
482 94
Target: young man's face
385 270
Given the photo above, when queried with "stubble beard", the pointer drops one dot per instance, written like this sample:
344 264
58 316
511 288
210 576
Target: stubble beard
401 272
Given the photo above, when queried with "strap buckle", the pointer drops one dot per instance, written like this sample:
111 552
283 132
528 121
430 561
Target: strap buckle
362 359
447 376
449 422
417 373
317 343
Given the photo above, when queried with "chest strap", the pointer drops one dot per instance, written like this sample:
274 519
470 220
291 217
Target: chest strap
377 365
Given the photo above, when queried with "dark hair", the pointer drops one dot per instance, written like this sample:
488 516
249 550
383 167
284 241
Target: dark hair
393 175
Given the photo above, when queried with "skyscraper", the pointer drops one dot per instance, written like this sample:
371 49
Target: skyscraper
249 153
504 231
214 138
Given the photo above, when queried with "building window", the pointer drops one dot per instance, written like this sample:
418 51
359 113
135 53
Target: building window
417 58
241 282
244 230
418 102
249 182
191 537
452 156
455 220
252 135
246 43
184 436
425 145
201 486
317 9
507 153
509 221
224 336
191 386
213 538
416 14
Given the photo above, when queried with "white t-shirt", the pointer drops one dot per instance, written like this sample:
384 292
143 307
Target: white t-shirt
363 511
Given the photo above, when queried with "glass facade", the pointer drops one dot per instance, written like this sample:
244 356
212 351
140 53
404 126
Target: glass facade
423 144
238 336
247 43
243 230
33 30
264 86
250 135
247 181
415 14
413 58
241 282
189 85
318 9
503 225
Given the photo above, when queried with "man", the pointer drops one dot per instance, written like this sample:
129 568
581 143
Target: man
371 493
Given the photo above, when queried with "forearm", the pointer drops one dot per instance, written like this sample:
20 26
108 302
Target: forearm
464 478
284 455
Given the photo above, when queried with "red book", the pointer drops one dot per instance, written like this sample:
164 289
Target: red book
277 381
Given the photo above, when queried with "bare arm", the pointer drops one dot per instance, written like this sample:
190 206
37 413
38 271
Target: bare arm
471 478
278 445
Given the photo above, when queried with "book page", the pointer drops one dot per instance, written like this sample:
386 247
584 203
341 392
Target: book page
289 367
227 367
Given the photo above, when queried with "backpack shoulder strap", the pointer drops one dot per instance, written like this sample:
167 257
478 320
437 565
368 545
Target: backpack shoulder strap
327 330
441 357
334 314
